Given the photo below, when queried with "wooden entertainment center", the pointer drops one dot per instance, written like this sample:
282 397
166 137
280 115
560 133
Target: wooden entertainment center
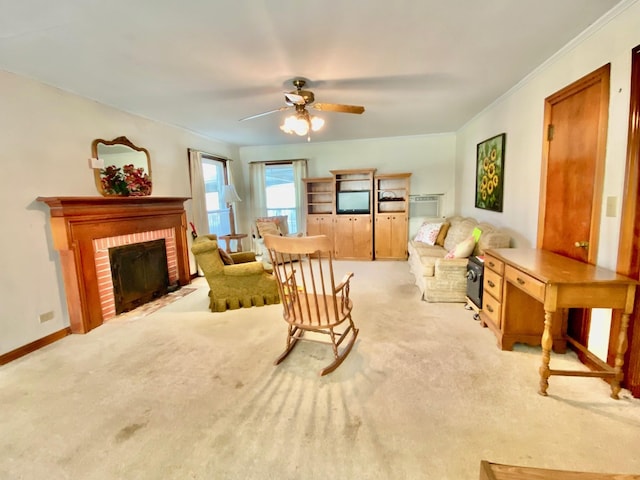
366 215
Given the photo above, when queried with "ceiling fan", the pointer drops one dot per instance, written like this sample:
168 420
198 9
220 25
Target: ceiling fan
301 122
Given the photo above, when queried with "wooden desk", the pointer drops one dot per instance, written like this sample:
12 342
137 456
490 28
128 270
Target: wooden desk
237 237
559 283
496 471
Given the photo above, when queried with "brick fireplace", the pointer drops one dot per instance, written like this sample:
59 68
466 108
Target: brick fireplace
83 228
101 248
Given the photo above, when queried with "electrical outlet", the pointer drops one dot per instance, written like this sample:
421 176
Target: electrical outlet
45 317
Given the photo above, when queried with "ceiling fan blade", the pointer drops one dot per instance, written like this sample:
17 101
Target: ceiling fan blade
334 107
264 113
294 98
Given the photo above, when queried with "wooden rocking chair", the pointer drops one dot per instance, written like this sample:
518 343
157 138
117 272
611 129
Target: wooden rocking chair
311 299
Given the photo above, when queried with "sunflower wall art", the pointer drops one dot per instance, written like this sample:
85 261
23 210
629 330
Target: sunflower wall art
490 173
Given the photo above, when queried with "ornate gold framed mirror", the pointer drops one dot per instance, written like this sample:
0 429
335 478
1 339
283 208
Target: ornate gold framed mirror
126 169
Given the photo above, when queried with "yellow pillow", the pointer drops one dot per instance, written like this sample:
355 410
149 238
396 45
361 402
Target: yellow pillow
442 234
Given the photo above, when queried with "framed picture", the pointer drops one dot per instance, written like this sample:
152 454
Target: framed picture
490 173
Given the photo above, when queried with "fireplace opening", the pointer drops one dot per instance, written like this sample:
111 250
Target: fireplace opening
139 272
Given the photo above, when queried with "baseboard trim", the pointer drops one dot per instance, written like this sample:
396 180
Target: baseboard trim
33 346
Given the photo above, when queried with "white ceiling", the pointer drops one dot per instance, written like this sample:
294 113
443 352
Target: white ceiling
418 66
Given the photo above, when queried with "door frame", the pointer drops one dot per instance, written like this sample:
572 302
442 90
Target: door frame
629 243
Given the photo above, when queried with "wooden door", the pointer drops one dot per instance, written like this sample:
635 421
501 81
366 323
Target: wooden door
383 234
363 237
391 236
572 176
353 237
343 236
320 225
573 167
399 235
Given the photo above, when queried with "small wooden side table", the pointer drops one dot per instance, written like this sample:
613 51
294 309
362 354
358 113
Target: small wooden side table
237 237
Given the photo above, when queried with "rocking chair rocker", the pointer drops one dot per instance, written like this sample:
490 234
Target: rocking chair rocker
312 301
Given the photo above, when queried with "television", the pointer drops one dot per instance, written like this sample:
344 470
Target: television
353 202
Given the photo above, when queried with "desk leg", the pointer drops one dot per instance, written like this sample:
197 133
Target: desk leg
547 344
622 348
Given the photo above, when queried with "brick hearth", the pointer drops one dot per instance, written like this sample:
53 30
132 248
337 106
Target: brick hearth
101 248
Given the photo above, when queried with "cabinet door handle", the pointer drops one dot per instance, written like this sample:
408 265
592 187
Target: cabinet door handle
491 264
520 281
491 284
490 308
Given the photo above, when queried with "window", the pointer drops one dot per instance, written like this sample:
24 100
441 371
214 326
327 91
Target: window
277 189
281 193
214 171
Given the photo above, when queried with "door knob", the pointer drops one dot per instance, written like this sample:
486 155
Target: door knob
582 244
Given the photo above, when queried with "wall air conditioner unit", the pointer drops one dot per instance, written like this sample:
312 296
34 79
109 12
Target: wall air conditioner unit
425 205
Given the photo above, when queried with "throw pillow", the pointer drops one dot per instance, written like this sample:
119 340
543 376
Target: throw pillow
442 234
226 258
428 233
476 233
276 220
268 228
463 249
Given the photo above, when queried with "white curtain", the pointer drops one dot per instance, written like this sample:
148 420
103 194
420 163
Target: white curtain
300 172
258 190
198 202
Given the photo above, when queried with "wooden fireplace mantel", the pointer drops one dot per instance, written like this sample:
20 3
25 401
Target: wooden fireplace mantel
77 221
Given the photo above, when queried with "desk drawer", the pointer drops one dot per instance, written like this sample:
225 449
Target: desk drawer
526 283
493 284
494 264
491 308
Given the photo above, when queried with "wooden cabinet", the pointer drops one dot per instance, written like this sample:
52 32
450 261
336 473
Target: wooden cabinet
318 196
521 319
391 213
319 206
320 225
491 312
353 237
391 236
353 225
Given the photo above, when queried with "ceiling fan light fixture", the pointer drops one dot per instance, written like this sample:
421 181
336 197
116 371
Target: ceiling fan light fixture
295 124
300 124
316 123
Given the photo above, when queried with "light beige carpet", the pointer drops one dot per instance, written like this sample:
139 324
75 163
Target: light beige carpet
183 393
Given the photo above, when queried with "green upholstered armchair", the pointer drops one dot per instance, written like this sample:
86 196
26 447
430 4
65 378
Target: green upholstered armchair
245 283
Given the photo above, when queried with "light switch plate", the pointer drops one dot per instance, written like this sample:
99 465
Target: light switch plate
96 163
612 204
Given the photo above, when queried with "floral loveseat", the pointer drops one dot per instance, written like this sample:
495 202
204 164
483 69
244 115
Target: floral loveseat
439 260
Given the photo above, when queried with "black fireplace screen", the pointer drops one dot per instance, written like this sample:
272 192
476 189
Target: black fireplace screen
140 273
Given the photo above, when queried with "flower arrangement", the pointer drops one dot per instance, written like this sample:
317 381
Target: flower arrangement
125 181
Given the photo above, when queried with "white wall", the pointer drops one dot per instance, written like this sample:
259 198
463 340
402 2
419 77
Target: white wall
45 143
429 158
520 114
